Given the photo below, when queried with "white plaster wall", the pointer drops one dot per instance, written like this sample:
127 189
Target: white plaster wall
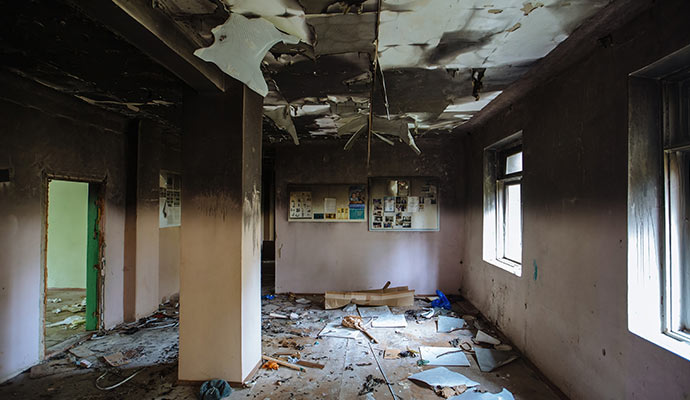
568 311
317 257
48 134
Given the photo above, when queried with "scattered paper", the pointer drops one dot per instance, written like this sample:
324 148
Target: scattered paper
116 359
366 312
485 338
302 301
441 376
72 321
449 324
448 356
474 395
390 321
490 359
334 329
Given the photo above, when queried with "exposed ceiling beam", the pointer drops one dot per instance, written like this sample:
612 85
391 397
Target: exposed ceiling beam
156 35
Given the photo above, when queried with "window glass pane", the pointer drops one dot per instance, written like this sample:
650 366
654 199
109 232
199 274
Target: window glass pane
513 223
514 163
678 202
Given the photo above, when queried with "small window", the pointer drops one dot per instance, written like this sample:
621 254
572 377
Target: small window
503 204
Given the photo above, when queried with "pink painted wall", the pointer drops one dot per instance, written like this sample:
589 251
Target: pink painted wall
316 257
568 310
44 133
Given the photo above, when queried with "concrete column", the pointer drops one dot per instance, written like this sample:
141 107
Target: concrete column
220 278
142 226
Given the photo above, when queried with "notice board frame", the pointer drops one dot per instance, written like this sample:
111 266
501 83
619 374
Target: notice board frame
376 190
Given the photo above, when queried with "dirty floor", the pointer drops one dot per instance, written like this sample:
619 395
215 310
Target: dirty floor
149 349
68 299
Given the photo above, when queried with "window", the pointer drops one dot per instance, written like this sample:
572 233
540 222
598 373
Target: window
659 203
503 204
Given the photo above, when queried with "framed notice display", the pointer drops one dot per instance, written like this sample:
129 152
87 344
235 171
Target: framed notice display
327 203
403 204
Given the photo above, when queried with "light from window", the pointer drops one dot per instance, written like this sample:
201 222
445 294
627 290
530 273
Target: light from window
502 234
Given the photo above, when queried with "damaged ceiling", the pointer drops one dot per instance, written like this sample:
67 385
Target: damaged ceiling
439 61
328 69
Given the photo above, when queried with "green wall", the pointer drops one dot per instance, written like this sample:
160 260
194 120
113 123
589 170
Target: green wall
66 260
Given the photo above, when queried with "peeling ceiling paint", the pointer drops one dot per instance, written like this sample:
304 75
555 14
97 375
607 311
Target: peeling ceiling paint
428 53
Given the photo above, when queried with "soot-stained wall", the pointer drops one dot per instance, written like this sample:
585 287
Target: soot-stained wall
315 257
568 312
43 134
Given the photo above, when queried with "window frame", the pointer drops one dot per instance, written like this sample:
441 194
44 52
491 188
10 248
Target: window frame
496 183
657 127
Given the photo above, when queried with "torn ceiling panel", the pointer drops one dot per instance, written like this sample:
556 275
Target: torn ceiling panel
239 47
348 33
286 15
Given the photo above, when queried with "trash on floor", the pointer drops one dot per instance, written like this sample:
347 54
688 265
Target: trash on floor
355 322
483 337
271 361
448 392
310 364
374 312
350 308
81 352
448 356
370 384
394 297
476 395
391 354
302 301
116 359
215 389
441 302
449 324
74 321
84 363
490 359
334 329
55 300
441 376
276 315
390 321
270 365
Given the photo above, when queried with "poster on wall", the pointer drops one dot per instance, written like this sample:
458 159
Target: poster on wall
170 199
300 205
338 202
357 202
403 204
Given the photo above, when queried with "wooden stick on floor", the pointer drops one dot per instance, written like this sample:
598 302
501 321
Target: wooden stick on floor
283 363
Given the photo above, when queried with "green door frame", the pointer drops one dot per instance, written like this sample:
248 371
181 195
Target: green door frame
93 256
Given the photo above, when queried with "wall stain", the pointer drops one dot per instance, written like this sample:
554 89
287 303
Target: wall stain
536 269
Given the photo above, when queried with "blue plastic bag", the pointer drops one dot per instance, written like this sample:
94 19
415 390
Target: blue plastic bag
442 301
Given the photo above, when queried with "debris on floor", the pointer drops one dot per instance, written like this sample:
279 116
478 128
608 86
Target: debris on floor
370 384
483 337
394 297
215 389
447 356
72 322
476 395
326 359
449 324
490 359
441 376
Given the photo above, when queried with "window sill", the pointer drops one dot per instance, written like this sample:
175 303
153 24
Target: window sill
507 265
678 347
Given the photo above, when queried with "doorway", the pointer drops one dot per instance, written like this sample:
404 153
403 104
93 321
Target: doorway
72 265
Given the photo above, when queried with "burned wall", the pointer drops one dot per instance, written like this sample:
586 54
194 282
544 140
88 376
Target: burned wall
568 312
315 257
47 134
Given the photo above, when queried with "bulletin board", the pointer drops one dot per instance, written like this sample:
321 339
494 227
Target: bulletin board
403 204
327 203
